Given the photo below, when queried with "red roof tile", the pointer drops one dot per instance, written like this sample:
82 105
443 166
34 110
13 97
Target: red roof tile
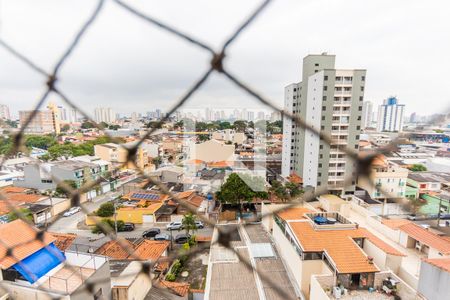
179 288
426 237
63 240
21 238
441 263
144 250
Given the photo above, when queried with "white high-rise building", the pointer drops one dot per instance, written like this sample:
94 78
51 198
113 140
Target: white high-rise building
390 115
4 112
330 100
260 115
367 114
250 116
104 114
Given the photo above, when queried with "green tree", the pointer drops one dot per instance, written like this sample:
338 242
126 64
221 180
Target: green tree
12 124
106 210
224 125
87 125
154 124
103 125
201 126
240 125
157 161
418 168
62 191
416 204
236 191
107 226
293 189
24 212
114 127
65 128
279 190
203 137
40 141
188 222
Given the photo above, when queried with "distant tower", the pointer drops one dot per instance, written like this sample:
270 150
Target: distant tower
390 115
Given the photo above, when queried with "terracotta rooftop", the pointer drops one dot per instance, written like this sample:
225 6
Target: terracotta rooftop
340 246
441 263
294 213
294 178
144 250
220 164
14 189
63 240
185 194
395 223
195 162
21 238
426 237
179 288
380 161
23 198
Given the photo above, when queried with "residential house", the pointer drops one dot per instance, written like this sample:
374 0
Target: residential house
192 199
386 180
230 135
118 155
39 270
8 177
168 174
127 280
435 278
211 151
429 182
329 244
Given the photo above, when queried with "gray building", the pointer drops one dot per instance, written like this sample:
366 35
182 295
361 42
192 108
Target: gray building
330 100
39 176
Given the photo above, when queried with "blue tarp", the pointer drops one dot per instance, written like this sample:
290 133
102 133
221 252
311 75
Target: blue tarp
40 263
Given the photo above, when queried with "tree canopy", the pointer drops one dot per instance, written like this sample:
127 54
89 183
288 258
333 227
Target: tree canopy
106 210
236 191
418 168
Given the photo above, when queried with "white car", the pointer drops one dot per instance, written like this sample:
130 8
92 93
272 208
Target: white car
174 226
72 211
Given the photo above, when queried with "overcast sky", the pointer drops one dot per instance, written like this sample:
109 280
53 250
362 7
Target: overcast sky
125 63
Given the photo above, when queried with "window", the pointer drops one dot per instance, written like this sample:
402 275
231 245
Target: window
357 136
324 98
359 118
320 165
46 181
361 98
315 71
363 78
325 77
318 183
338 78
323 118
322 127
358 127
295 89
324 108
294 104
316 64
321 147
356 146
362 89
320 156
360 108
325 88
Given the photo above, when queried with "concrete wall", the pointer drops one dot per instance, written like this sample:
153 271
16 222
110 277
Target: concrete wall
407 277
288 255
434 283
211 151
101 285
379 257
317 292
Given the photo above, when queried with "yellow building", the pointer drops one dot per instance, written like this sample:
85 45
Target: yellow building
135 215
117 154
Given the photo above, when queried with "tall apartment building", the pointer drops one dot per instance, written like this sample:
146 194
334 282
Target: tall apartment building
390 115
4 112
104 114
367 114
330 100
46 121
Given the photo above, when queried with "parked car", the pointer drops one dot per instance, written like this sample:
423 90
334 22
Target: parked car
72 211
127 227
182 238
151 232
175 226
162 237
199 224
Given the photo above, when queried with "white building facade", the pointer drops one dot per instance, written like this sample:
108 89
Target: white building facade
330 100
390 115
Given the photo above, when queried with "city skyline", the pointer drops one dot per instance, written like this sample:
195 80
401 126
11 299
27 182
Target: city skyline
93 78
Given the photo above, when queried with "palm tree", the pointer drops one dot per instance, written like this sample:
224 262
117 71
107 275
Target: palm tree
189 222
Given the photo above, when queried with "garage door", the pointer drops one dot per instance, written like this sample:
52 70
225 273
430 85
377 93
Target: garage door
147 219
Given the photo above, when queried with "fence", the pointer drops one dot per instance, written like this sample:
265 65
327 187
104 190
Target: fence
217 64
